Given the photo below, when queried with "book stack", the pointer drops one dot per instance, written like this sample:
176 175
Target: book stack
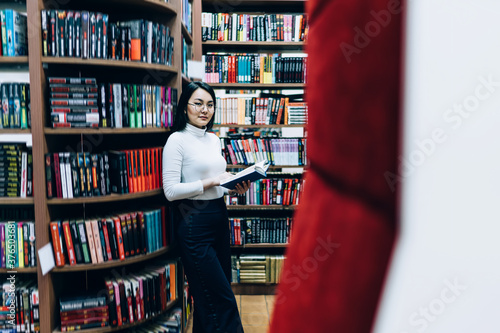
248 27
79 313
297 113
84 34
254 68
136 105
258 230
72 175
73 102
285 151
142 295
18 246
252 268
251 110
256 268
117 237
16 107
19 306
13 38
270 191
16 170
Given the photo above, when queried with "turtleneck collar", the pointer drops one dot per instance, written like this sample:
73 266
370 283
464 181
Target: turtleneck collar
195 130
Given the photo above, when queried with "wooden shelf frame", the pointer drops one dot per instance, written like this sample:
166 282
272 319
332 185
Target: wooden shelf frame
14 131
260 207
16 201
261 246
169 306
106 198
257 126
213 45
258 86
19 60
185 33
254 288
112 263
109 63
104 130
17 270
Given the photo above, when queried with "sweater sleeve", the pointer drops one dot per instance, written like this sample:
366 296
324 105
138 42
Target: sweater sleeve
171 173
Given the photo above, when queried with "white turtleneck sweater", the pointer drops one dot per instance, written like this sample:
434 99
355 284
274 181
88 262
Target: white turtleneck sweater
189 156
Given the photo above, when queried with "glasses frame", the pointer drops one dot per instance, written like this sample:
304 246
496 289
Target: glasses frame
209 109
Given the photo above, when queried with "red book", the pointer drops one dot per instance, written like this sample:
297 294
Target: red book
147 170
56 244
57 174
149 153
119 237
134 171
101 319
106 238
90 312
159 174
49 175
69 243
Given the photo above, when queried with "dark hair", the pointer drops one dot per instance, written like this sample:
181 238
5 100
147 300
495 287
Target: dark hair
181 118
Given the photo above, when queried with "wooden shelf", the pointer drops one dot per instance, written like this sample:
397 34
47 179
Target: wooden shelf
255 126
253 288
78 131
170 305
27 270
271 167
14 131
185 33
260 207
112 263
156 5
19 60
107 198
261 246
253 3
108 63
232 45
249 86
16 201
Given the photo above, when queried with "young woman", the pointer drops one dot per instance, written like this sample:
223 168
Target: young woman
193 167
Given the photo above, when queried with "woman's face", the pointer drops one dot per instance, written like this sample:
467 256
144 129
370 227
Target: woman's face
200 108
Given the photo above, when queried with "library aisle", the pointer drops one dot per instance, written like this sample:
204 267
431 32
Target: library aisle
255 312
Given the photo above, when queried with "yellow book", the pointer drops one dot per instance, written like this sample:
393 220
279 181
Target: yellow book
20 245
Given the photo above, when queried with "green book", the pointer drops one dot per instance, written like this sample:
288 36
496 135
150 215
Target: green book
132 106
80 224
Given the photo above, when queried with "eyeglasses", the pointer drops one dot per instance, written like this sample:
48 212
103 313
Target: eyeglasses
199 106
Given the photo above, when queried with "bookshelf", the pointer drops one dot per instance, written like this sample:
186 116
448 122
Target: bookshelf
49 140
231 46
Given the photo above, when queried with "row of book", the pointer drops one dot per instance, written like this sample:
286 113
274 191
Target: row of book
116 237
129 299
13 213
19 306
14 35
259 111
187 54
81 102
84 34
187 15
17 244
72 175
16 106
259 230
270 191
254 68
251 27
16 170
256 268
286 151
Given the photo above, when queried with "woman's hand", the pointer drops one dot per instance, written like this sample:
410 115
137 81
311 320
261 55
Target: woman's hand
240 189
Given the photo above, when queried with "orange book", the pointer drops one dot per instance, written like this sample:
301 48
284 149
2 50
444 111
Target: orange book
142 180
133 161
280 111
90 239
56 244
173 286
160 170
147 169
69 243
119 237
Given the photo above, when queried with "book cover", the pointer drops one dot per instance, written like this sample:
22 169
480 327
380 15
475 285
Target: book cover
252 173
90 239
83 241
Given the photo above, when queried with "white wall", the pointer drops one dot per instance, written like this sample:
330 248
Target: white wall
445 275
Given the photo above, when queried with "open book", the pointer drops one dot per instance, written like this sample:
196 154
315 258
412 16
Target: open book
252 173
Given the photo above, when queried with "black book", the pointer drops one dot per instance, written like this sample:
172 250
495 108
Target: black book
130 234
103 242
88 174
125 106
123 44
102 105
78 34
85 34
112 238
45 32
4 96
76 242
49 176
99 36
125 236
110 116
73 161
102 175
116 171
92 35
105 158
61 33
29 175
96 182
136 231
70 28
82 236
11 88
